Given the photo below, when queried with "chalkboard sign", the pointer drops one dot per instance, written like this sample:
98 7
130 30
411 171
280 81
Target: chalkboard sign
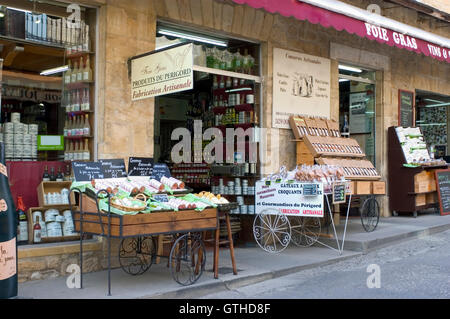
113 168
443 188
339 193
405 108
140 166
160 170
86 171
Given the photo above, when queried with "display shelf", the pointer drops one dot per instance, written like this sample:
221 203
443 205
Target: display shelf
238 108
78 137
79 112
204 69
78 54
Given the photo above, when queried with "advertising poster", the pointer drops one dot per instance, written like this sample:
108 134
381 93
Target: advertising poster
162 72
301 86
290 198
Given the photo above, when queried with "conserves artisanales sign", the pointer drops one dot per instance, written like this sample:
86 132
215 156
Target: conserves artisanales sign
289 198
301 86
162 72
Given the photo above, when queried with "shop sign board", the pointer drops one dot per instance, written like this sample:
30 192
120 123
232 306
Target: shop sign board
87 171
30 94
339 192
50 142
113 168
162 72
443 188
140 166
290 198
405 108
301 86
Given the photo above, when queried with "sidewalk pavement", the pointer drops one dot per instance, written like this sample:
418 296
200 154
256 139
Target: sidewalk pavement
254 265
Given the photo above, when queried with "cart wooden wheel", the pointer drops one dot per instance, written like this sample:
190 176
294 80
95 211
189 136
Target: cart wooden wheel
305 230
187 259
272 230
370 214
136 254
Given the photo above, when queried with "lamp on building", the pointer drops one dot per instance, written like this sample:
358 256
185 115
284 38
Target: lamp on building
192 36
55 70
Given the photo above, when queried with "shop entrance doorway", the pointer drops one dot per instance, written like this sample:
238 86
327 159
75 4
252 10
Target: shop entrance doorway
357 106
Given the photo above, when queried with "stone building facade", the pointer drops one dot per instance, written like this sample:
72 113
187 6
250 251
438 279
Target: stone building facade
125 128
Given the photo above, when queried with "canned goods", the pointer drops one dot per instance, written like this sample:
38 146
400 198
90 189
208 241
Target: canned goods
25 129
27 139
18 128
8 128
15 117
8 138
18 138
54 229
33 129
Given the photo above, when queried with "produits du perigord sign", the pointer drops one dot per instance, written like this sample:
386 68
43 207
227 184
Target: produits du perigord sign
162 72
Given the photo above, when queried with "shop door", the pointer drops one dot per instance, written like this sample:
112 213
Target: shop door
357 107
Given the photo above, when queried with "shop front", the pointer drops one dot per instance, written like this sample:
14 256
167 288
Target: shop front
352 76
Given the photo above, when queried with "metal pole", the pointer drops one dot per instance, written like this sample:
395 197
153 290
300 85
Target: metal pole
109 245
346 221
332 222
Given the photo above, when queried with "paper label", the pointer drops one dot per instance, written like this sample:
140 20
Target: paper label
8 259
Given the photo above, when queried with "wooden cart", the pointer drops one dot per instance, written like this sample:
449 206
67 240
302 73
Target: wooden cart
137 250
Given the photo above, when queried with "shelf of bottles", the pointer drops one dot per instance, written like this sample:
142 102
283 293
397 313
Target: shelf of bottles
77 102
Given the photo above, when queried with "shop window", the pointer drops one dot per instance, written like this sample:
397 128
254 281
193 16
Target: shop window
357 106
47 106
432 117
226 94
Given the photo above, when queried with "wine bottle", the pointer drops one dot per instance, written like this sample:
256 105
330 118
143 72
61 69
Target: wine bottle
68 74
52 174
67 173
74 73
59 177
86 152
87 72
46 176
80 71
8 234
22 228
37 231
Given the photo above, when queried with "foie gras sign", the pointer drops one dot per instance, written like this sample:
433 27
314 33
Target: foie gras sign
162 72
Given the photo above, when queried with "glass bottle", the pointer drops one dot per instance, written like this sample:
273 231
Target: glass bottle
86 126
37 231
52 174
67 173
86 152
68 74
74 73
22 227
66 127
8 235
80 71
59 177
87 72
46 176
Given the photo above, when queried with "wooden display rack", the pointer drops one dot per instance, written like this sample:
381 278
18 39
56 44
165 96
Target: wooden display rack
410 188
329 148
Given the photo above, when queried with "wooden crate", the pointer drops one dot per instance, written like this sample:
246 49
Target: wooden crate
304 156
431 198
139 224
363 187
152 223
421 199
46 239
298 126
52 187
424 182
378 187
351 188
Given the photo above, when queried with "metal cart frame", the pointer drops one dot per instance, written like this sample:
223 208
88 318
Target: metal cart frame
188 246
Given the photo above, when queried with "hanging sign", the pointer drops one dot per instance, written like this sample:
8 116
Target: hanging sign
162 72
292 199
301 86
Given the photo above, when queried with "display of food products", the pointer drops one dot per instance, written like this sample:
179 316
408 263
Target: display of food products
335 146
216 199
319 173
415 147
353 168
308 126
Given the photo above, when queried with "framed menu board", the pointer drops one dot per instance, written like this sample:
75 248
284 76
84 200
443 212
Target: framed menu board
443 188
406 108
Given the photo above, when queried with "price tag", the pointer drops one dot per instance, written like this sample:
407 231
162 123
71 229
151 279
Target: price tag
162 198
339 193
160 170
87 171
113 168
140 166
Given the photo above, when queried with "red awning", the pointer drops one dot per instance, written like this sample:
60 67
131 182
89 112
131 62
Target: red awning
327 18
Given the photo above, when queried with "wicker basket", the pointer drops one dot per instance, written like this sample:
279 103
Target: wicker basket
131 209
